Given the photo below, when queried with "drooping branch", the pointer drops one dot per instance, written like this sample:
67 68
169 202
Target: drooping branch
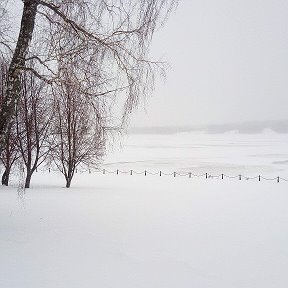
38 75
106 44
76 27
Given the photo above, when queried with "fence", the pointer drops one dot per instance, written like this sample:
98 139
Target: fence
174 174
191 175
181 174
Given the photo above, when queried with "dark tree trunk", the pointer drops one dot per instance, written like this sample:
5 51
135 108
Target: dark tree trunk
28 179
68 182
5 177
18 61
69 176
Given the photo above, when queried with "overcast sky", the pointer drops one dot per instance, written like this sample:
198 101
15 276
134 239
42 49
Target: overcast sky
229 63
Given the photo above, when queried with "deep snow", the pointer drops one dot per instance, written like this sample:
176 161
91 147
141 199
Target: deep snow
135 231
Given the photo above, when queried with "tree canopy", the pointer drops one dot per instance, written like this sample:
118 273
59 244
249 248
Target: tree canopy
109 40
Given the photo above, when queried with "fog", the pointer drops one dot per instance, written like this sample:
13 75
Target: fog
228 64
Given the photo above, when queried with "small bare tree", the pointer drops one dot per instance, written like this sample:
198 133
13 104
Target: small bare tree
78 132
33 117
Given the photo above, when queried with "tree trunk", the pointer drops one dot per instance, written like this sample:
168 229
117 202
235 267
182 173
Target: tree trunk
28 179
69 177
68 182
5 177
18 61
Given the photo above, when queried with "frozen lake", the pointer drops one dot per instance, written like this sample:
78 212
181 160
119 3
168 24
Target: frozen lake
231 153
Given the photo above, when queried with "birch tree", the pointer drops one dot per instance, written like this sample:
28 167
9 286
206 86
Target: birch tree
10 153
118 32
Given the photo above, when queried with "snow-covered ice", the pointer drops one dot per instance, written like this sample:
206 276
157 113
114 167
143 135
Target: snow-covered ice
230 153
135 231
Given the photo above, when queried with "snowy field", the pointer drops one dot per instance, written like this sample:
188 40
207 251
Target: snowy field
123 231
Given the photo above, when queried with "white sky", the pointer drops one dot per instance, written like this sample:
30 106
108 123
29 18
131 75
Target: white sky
229 62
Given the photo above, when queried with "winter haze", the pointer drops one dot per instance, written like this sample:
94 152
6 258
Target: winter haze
229 64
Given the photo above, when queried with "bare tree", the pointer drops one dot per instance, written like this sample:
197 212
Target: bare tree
10 152
33 117
115 31
78 132
18 60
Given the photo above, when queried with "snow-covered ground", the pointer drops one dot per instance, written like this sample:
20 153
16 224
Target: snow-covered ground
135 231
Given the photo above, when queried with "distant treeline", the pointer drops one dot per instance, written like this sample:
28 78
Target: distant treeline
243 128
